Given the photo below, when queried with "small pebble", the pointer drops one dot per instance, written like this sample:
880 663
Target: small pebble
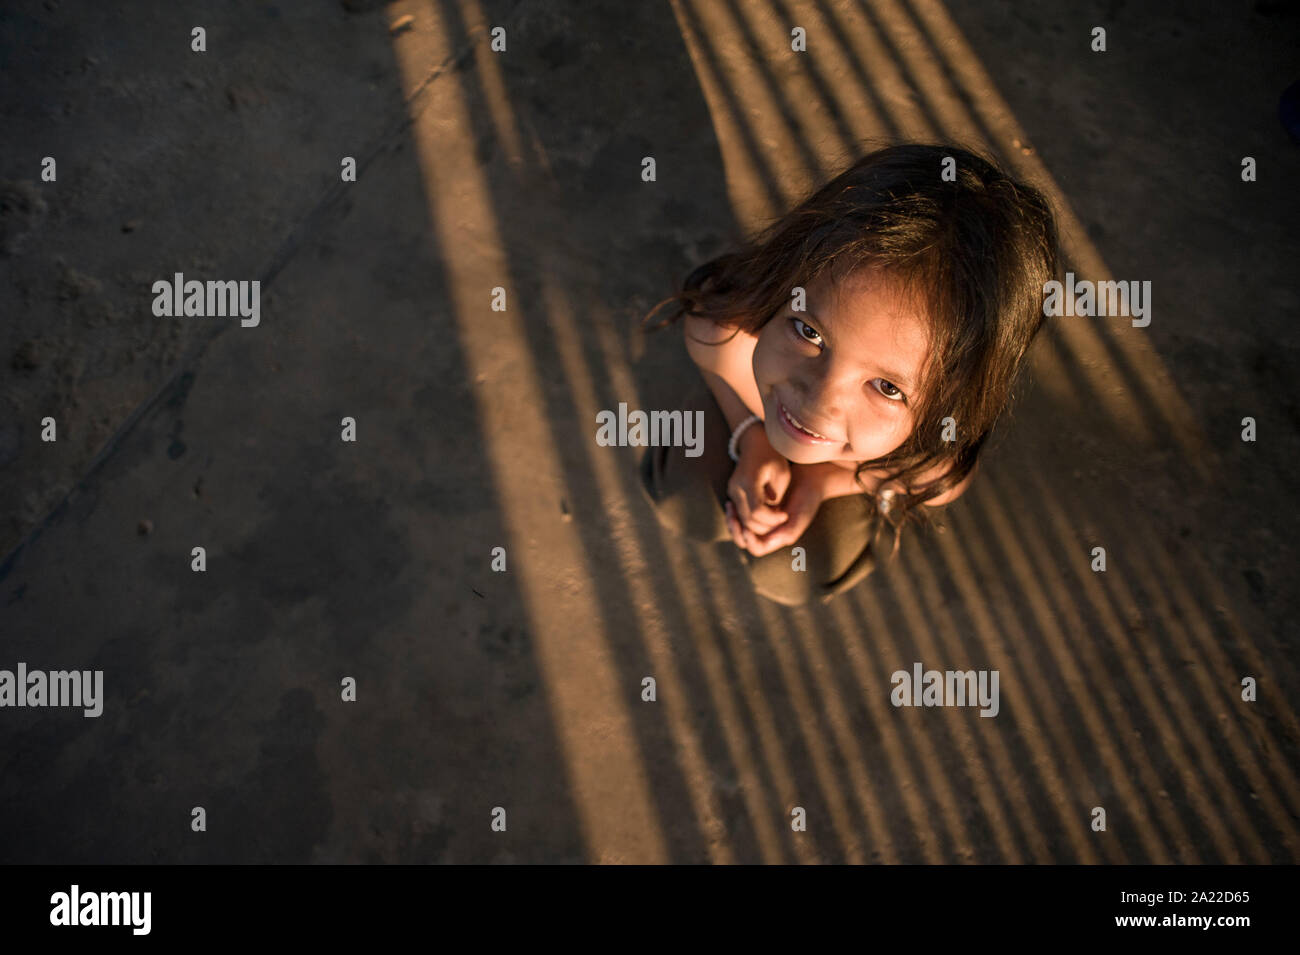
145 527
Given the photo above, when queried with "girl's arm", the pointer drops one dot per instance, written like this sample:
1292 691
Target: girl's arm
733 409
726 359
761 477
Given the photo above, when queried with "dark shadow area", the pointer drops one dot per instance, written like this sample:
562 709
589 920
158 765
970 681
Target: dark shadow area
325 560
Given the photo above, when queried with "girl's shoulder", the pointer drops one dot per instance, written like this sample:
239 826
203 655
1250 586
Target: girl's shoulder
709 332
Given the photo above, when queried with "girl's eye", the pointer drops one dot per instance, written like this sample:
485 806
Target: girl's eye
812 336
889 390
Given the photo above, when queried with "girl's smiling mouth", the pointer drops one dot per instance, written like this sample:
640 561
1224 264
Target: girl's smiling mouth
797 430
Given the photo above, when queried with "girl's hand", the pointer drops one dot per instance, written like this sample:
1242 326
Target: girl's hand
805 495
758 483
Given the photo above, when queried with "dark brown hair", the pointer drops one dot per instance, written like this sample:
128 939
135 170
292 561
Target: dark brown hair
976 250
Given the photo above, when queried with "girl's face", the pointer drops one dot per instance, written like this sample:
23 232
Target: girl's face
846 370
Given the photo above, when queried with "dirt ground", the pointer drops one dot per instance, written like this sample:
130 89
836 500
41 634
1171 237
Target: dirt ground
476 689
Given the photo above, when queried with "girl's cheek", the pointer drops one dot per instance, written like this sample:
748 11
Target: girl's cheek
881 433
767 367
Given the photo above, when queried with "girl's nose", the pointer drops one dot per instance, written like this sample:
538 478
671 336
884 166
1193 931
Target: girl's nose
827 390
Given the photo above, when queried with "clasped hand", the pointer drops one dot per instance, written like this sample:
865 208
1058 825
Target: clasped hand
770 502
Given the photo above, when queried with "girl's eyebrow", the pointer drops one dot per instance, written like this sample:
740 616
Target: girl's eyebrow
897 379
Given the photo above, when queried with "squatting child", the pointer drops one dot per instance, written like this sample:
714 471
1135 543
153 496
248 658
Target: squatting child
854 357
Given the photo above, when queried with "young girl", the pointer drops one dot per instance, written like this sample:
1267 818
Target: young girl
854 358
